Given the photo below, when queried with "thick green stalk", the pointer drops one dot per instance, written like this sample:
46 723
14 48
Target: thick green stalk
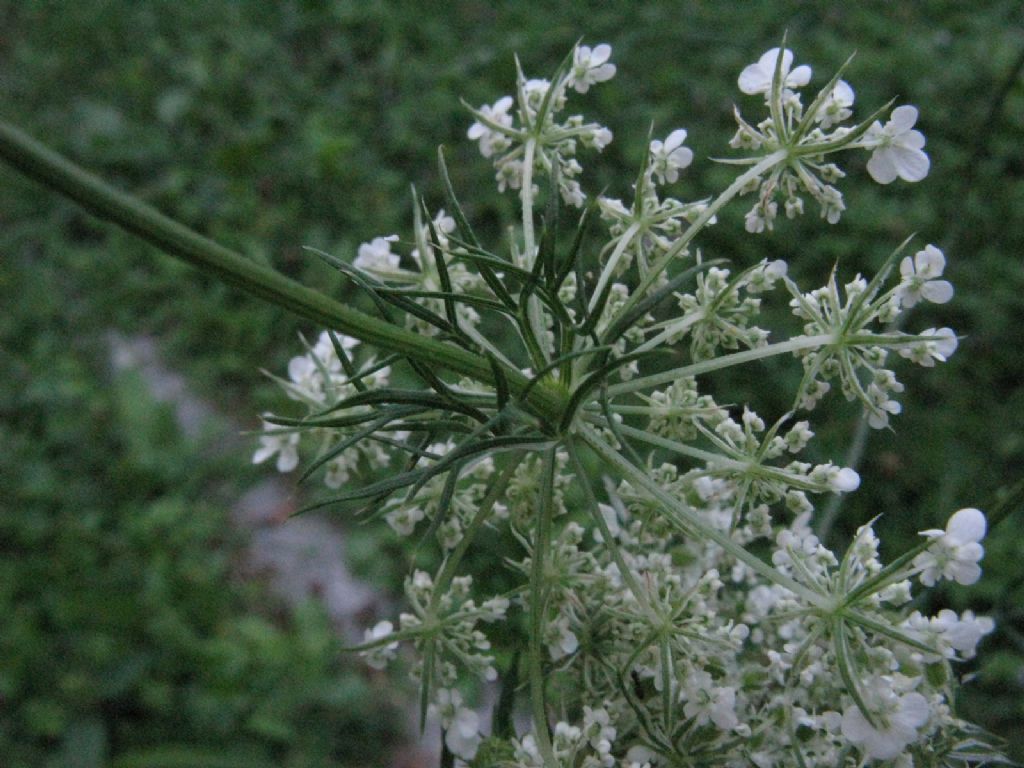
61 175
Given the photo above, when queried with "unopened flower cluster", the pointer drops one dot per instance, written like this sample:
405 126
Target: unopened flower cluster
657 636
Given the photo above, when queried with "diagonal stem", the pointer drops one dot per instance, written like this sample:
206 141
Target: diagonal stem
58 173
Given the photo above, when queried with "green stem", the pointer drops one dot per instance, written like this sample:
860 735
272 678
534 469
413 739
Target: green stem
538 600
725 361
61 175
533 308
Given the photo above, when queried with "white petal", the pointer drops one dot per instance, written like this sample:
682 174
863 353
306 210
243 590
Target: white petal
914 710
846 480
770 57
752 80
937 291
288 459
903 118
682 157
799 77
843 93
966 525
930 261
881 167
600 54
675 139
855 727
944 339
912 140
911 164
265 451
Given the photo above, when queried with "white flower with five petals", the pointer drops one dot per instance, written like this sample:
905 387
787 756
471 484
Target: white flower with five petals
956 551
670 156
920 278
897 718
898 149
591 66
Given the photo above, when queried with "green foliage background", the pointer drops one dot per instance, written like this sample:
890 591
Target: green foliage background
269 126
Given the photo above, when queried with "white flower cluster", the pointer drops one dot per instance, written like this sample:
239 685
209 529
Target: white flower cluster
533 137
804 137
676 604
376 259
319 380
856 355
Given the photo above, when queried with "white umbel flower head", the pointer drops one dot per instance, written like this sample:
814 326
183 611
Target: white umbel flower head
757 78
898 149
670 156
956 551
591 66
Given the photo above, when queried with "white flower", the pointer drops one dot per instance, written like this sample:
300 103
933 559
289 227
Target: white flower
844 480
560 639
379 657
836 107
403 520
307 381
956 551
461 724
757 78
463 735
492 140
937 344
898 719
376 255
285 445
324 348
670 157
897 148
962 633
920 278
705 701
591 67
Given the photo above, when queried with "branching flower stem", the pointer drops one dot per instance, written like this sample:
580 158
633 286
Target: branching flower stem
741 181
795 344
684 518
533 307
